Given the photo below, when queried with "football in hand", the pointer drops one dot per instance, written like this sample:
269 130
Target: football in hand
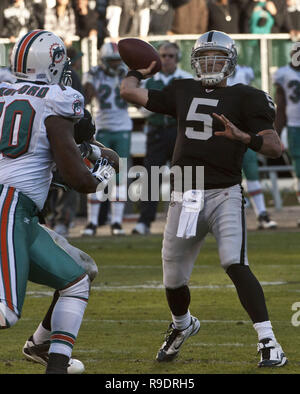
138 54
112 157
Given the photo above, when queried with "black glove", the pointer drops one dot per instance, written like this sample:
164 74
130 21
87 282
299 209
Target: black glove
85 150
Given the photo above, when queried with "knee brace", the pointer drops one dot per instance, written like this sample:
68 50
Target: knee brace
7 317
80 289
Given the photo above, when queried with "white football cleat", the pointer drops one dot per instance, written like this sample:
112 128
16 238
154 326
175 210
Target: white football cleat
39 354
265 223
141 229
116 229
271 353
90 230
175 338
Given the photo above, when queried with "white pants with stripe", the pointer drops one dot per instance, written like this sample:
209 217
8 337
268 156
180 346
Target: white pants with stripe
222 215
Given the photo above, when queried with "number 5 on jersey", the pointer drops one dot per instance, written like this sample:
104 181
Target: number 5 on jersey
206 119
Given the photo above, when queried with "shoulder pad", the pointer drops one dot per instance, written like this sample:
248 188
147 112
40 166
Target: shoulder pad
68 102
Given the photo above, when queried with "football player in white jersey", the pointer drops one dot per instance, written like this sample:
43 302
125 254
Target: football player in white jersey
244 74
113 128
287 97
37 345
37 116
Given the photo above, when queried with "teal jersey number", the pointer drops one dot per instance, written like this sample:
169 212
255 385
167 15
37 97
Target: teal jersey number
17 127
104 93
295 86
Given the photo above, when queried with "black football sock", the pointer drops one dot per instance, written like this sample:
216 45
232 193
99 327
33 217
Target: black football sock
179 300
250 292
57 364
46 323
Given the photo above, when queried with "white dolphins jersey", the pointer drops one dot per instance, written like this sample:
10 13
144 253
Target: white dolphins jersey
289 79
242 74
26 161
112 110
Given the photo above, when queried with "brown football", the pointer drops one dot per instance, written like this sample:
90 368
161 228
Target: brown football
138 54
112 157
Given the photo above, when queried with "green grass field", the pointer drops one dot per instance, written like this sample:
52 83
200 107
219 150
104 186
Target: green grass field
127 315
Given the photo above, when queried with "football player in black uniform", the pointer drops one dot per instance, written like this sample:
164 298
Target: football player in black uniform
216 125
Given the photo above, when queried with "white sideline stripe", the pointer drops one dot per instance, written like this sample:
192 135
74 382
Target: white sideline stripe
223 344
167 321
37 294
161 286
157 321
157 286
124 266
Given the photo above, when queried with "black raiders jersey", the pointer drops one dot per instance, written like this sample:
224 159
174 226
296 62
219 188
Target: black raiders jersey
192 104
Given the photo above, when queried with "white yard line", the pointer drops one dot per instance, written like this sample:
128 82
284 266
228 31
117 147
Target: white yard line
151 286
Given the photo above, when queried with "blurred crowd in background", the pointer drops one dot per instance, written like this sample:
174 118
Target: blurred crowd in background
117 18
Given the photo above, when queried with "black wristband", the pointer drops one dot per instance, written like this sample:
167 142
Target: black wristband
135 73
256 142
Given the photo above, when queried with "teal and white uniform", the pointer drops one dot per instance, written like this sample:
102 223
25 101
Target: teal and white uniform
289 79
113 123
28 252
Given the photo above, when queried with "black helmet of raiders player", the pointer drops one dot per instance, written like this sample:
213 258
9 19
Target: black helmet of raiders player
211 70
85 129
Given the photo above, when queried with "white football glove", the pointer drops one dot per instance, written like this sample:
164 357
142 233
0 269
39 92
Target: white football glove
103 170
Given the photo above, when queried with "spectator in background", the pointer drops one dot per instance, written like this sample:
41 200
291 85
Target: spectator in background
293 9
161 17
128 18
75 58
224 15
3 5
86 19
101 9
60 19
190 18
18 18
39 7
282 21
263 17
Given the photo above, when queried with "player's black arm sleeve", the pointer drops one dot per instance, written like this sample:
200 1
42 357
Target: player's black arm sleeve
259 116
162 101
